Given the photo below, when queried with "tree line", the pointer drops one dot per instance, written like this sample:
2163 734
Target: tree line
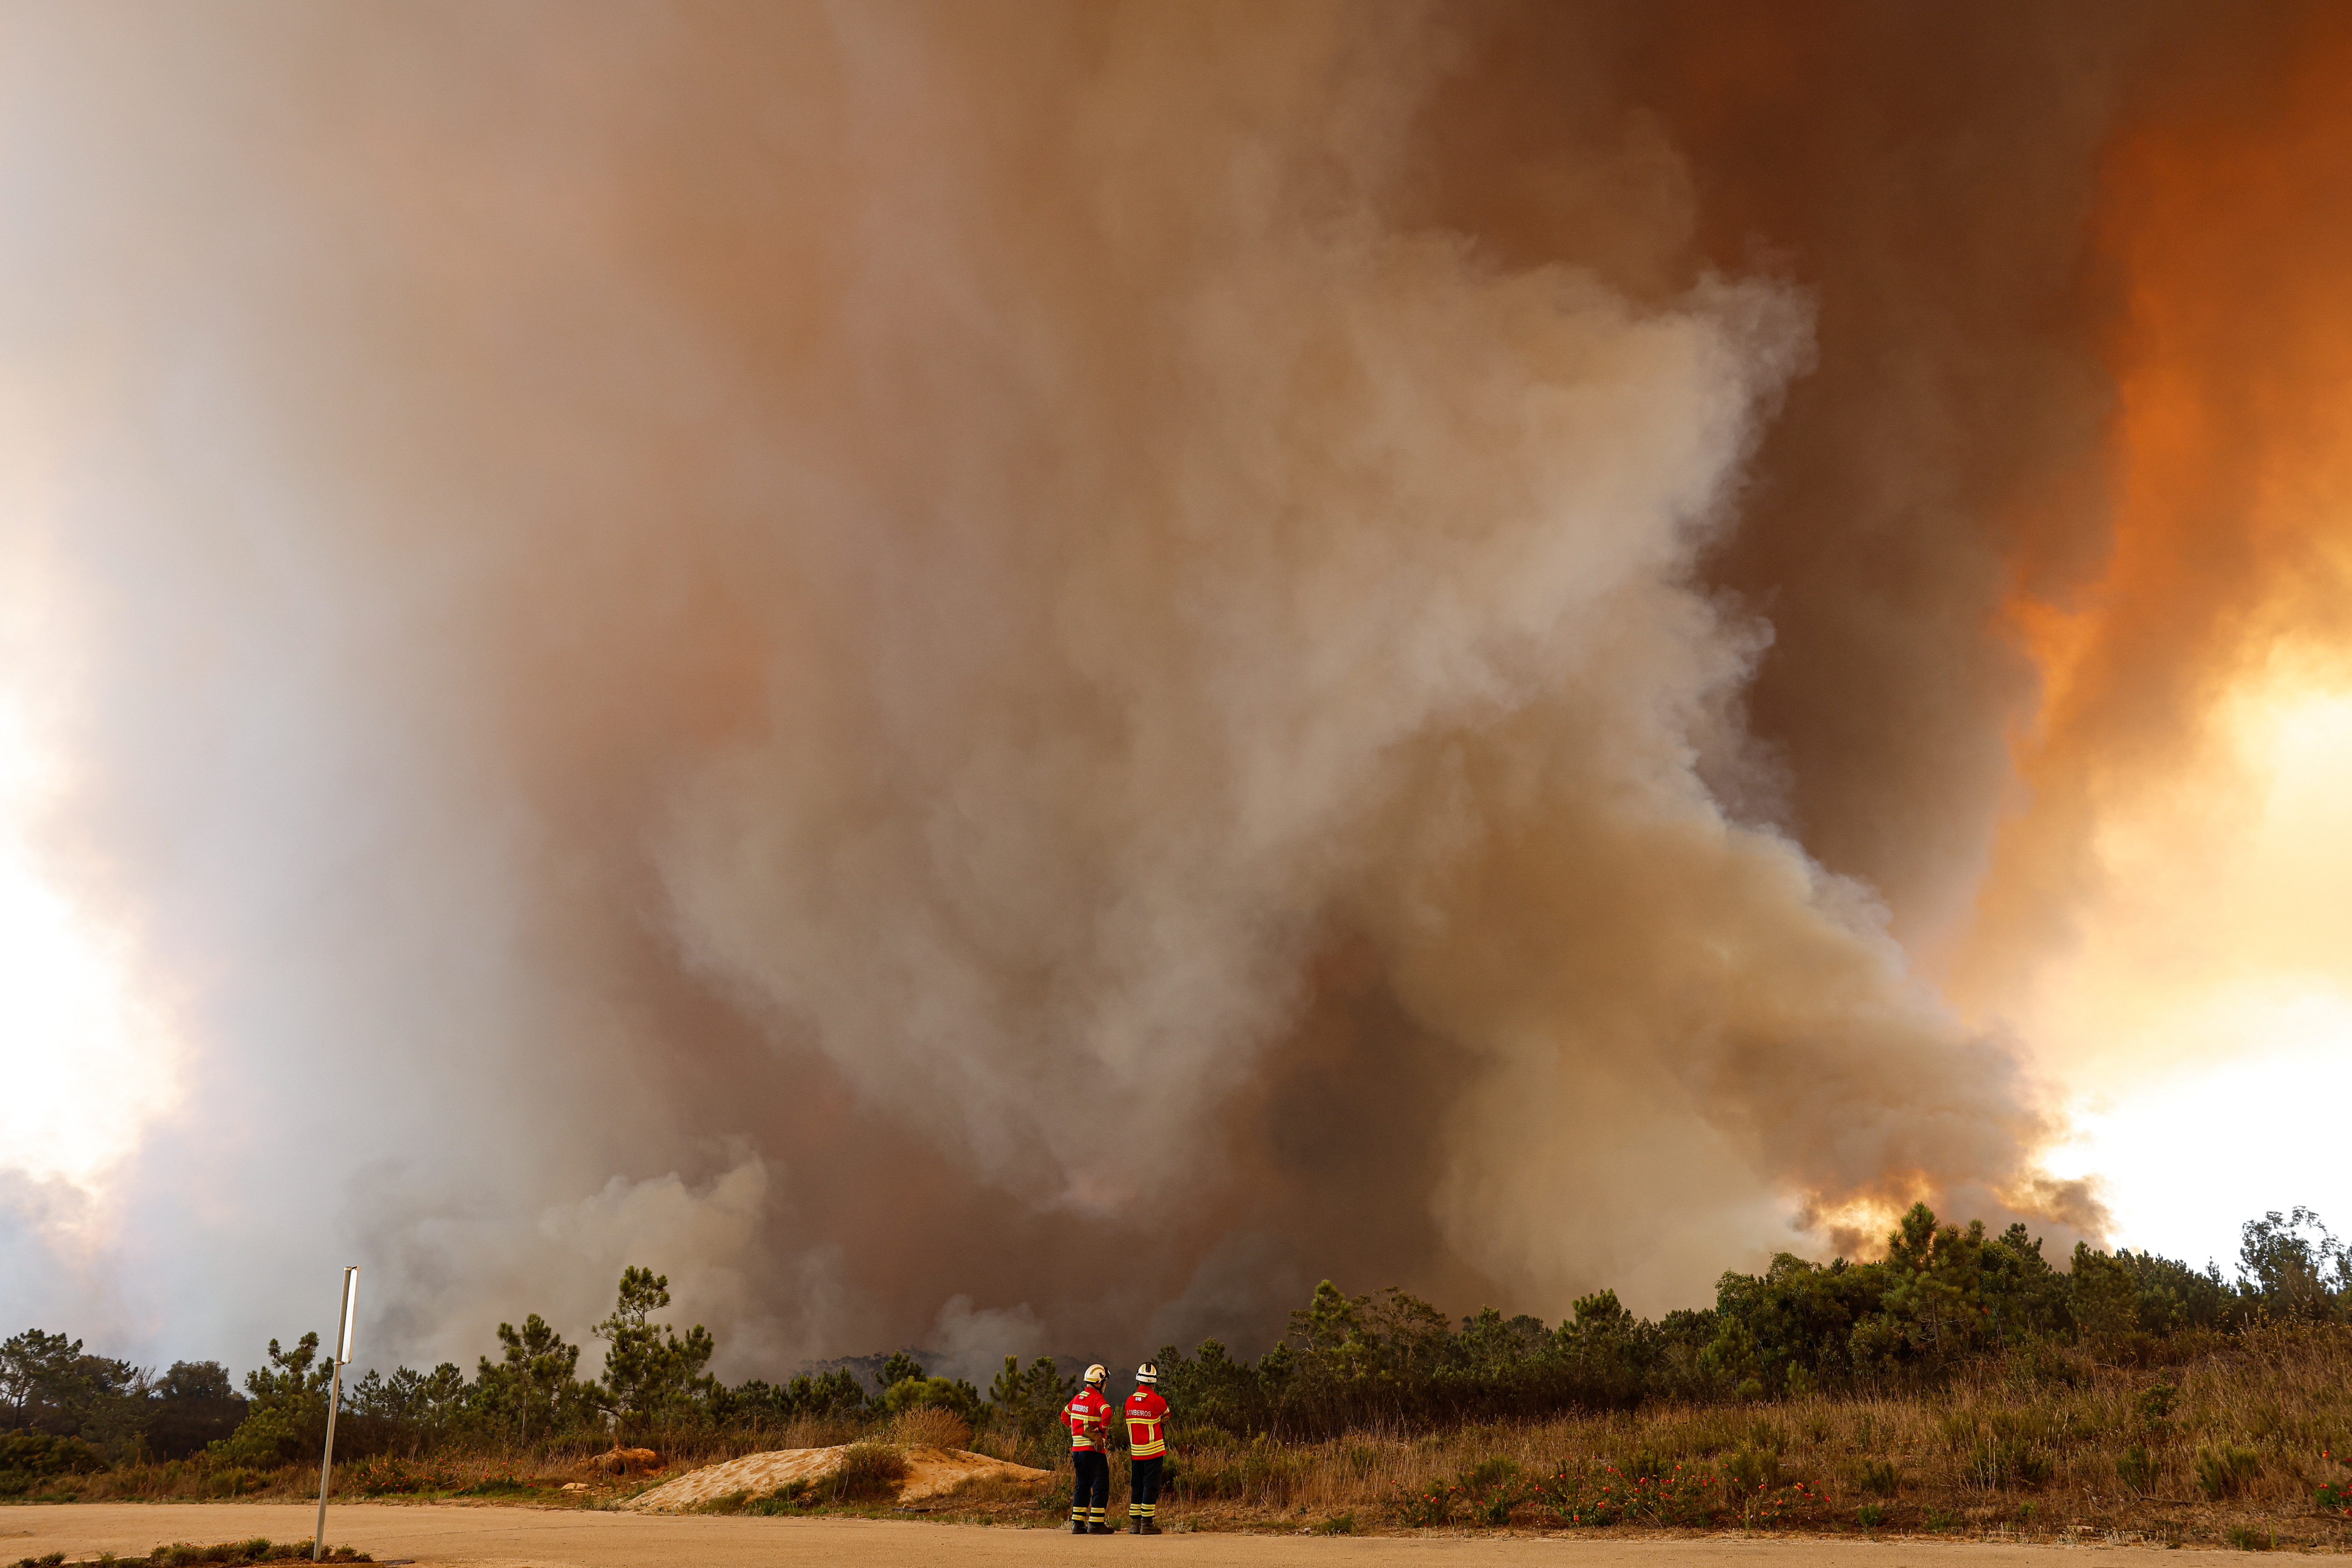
1941 1295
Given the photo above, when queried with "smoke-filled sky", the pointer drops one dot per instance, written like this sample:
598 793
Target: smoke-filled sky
1017 677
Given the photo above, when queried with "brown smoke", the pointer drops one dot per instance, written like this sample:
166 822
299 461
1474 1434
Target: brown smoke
2224 225
1007 673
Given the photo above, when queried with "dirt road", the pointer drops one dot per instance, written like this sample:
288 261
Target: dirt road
490 1537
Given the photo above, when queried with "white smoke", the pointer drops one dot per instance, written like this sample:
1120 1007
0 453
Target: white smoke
793 647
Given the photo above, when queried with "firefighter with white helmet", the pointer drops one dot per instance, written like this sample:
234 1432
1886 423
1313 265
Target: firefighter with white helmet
1088 1416
1146 1448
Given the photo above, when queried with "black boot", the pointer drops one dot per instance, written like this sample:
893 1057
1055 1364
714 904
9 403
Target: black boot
1098 1527
1078 1526
1148 1526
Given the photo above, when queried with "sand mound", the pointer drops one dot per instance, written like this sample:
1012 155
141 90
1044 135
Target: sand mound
929 1471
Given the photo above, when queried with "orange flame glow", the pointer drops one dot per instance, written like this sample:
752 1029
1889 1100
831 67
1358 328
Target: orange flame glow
2142 905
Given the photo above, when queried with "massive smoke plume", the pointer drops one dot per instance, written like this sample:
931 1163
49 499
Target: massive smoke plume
1021 676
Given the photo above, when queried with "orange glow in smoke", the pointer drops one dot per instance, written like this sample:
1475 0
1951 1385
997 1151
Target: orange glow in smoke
2149 911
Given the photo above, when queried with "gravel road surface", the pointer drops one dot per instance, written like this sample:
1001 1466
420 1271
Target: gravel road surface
438 1534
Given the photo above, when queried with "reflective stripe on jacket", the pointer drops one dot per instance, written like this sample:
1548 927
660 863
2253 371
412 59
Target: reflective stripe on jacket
1146 1424
1088 1416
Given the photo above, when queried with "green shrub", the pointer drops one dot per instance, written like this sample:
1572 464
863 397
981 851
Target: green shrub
1684 1496
233 1480
2248 1539
792 1497
1776 1506
1337 1524
264 1439
2225 1470
1486 1491
1754 1469
870 1472
2137 1468
2333 1497
1488 1475
1422 1507
1879 1478
1871 1515
29 1458
220 1554
181 1554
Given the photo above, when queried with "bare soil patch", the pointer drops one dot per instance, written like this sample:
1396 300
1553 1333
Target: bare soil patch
929 1471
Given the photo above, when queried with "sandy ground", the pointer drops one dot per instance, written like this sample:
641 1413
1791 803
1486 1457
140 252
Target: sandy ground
930 1470
492 1537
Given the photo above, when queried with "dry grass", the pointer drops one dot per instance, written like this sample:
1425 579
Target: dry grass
870 1472
538 1474
933 1425
2046 1443
2028 1444
486 1478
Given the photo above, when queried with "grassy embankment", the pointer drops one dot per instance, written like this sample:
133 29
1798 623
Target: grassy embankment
2232 1446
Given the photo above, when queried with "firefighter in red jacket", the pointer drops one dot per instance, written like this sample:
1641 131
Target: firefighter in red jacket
1088 1418
1147 1450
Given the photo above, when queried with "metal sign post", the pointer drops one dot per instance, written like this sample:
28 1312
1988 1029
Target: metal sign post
335 1398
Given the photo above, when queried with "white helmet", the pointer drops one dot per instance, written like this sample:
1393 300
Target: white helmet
1147 1372
1097 1373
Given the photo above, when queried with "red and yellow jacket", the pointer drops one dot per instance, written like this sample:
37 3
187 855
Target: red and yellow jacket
1147 1425
1088 1418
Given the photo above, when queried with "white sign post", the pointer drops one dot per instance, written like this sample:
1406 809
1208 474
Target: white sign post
335 1398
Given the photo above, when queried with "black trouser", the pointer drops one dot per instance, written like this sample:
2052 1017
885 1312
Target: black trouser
1090 1492
1143 1486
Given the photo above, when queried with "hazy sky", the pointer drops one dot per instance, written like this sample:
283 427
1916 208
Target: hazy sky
1019 677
